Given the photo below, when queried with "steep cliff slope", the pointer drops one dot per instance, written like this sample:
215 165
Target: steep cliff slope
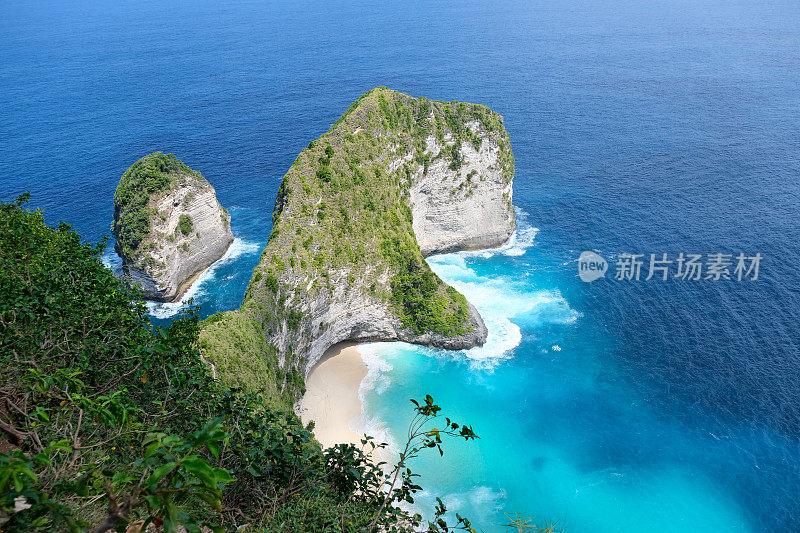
468 209
168 225
396 178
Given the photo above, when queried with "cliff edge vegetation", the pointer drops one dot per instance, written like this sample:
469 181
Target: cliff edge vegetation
110 424
168 225
344 261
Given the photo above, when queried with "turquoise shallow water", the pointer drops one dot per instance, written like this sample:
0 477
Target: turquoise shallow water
562 437
645 127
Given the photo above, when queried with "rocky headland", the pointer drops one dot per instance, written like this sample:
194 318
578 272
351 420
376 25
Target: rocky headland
168 225
395 179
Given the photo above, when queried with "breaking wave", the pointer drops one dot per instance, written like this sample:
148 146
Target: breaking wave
499 300
197 290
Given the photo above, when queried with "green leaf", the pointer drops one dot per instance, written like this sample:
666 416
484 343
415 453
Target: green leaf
213 447
200 469
212 499
160 472
151 449
222 475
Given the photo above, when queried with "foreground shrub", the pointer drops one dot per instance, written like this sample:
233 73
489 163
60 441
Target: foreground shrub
107 421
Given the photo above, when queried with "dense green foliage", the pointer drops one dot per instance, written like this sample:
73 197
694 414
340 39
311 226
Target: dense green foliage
185 224
248 361
417 297
106 420
342 219
154 173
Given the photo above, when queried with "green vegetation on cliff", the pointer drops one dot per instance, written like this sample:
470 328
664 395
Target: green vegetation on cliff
342 219
185 224
107 422
153 174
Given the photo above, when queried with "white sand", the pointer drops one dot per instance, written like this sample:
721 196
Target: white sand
331 399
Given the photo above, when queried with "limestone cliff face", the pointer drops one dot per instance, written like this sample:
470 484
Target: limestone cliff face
395 179
182 227
348 315
467 209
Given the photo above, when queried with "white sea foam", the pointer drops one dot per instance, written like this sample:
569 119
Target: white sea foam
111 260
237 249
480 502
376 368
499 300
378 381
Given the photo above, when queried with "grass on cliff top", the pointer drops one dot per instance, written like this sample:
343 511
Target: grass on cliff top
152 175
342 220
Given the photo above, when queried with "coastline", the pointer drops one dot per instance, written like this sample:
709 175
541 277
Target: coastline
331 399
190 281
162 310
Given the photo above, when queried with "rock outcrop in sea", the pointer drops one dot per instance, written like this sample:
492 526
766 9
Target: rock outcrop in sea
168 225
395 179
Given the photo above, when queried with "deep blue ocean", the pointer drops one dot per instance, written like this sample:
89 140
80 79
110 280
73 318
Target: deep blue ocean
638 127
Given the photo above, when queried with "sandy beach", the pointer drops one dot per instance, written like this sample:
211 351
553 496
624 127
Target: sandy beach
331 399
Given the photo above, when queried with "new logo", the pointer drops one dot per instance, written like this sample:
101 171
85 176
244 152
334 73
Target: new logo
591 266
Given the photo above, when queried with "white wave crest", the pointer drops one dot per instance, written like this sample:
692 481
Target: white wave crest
377 368
238 248
111 260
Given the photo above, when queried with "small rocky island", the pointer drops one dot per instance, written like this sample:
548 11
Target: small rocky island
168 225
395 179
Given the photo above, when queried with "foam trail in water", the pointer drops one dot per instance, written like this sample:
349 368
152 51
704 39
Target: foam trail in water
480 503
376 367
237 249
499 300
111 260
